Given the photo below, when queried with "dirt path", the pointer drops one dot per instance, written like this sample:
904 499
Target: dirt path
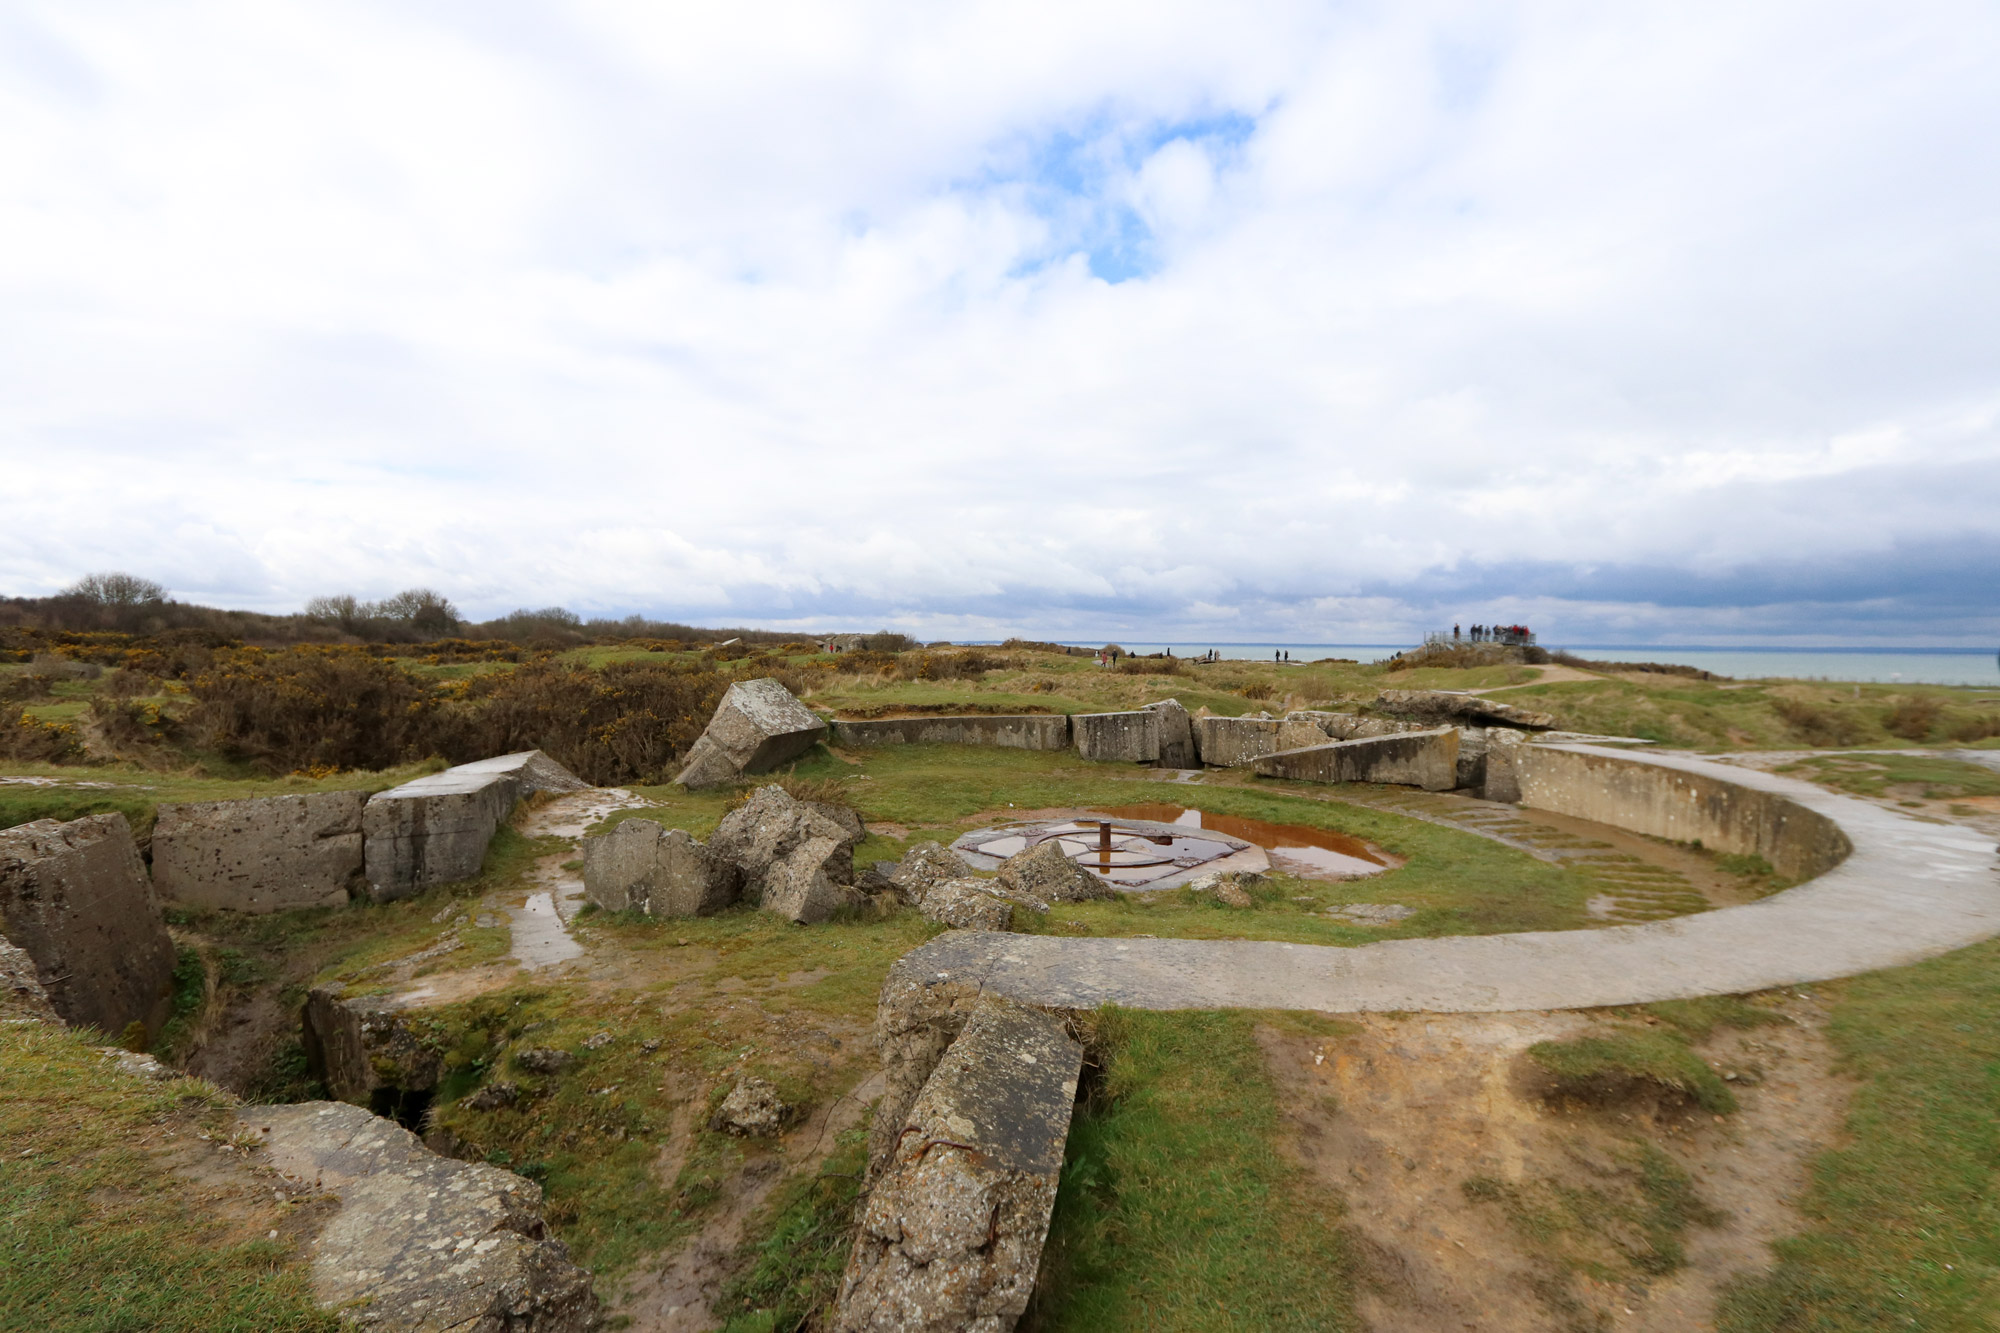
1402 1115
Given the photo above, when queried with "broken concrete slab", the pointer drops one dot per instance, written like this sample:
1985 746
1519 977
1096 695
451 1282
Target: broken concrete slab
1017 731
434 830
1229 742
1298 733
268 854
1427 759
796 857
758 725
967 904
75 898
1447 706
1129 738
641 867
1177 736
951 1235
533 770
422 1243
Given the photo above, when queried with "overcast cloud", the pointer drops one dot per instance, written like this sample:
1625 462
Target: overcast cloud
1199 321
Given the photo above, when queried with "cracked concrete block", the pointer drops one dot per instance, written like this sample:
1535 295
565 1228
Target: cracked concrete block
1130 738
757 726
268 854
641 867
1047 874
1177 735
422 1243
1228 742
366 1049
796 857
1020 731
951 1234
75 898
1426 759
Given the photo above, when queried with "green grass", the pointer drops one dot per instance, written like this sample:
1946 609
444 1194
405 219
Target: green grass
1904 1219
1608 1068
97 1234
1697 1019
1623 1217
1874 774
793 1271
1177 1210
136 793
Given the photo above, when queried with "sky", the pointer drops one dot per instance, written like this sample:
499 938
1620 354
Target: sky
1318 323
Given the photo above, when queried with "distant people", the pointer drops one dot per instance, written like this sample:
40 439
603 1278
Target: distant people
1454 633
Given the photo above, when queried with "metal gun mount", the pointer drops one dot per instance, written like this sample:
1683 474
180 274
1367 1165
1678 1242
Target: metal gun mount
1105 851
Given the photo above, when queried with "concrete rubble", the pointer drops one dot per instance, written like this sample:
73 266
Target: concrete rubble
796 857
924 866
951 1234
967 904
1426 759
757 726
435 830
753 1109
1128 738
1047 874
269 854
641 867
1227 742
421 1242
75 899
1021 731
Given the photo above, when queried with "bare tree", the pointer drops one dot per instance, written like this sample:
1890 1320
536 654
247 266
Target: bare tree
117 590
422 609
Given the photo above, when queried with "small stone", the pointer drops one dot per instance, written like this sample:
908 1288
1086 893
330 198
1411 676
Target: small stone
752 1109
543 1060
650 1045
598 1041
924 866
1226 886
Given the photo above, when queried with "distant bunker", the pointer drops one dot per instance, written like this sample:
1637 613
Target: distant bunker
1150 847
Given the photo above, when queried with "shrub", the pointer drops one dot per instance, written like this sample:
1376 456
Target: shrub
24 738
1817 725
628 722
310 707
1151 666
1976 728
1914 719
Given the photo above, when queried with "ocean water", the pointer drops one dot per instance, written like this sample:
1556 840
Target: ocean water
1915 666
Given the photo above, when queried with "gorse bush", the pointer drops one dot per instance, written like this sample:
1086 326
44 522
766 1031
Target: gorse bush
1914 719
1819 725
628 722
24 738
310 707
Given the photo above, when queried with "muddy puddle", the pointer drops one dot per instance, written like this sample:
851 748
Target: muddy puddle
1308 852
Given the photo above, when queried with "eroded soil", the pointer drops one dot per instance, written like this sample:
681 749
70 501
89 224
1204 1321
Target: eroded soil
1401 1114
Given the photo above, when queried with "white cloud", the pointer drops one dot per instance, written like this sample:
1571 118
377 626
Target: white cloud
794 311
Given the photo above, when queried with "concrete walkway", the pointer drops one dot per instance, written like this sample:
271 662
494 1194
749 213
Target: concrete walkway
1910 890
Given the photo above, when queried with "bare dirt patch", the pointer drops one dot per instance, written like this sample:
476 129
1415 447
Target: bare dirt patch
1403 1115
677 1292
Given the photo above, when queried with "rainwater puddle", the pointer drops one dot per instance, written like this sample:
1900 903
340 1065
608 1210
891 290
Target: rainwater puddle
539 937
1314 853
